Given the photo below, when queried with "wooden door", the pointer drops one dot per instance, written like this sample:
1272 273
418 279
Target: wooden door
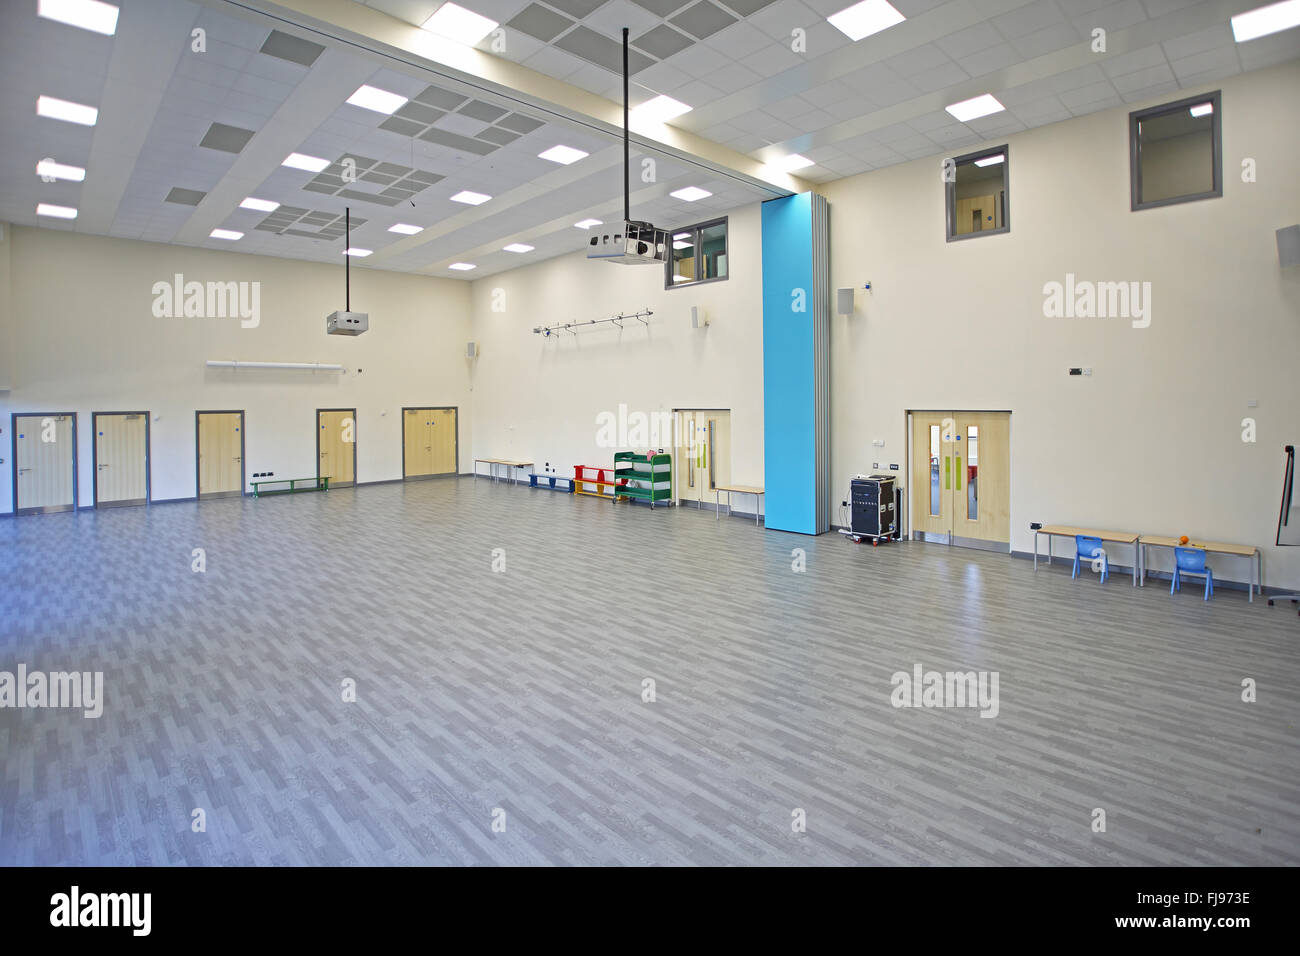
933 435
121 458
442 441
684 456
976 214
336 430
961 476
416 443
718 434
982 471
45 462
221 454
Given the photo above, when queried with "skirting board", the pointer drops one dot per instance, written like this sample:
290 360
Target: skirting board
709 506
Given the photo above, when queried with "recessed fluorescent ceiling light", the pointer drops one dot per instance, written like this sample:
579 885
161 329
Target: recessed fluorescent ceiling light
792 162
457 23
373 98
58 212
462 266
682 235
658 110
1202 109
359 253
678 244
313 164
470 198
48 169
87 14
588 223
1265 20
975 107
517 247
405 229
261 205
691 194
865 18
55 108
564 155
991 160
225 234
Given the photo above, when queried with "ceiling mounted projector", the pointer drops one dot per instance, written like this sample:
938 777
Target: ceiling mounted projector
636 243
347 322
630 243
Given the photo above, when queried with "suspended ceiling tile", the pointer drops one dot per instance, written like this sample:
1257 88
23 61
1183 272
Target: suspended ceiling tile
702 19
286 46
540 22
228 139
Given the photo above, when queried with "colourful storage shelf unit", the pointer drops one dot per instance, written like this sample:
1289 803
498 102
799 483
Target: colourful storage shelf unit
644 477
593 480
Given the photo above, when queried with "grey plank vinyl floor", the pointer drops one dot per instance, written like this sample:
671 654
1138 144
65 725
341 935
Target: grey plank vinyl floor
521 691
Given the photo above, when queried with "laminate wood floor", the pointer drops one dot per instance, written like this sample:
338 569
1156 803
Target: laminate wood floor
516 695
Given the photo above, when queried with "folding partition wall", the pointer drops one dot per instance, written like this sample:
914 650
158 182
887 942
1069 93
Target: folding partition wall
796 363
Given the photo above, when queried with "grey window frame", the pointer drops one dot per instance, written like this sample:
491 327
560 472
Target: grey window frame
1135 167
695 230
950 195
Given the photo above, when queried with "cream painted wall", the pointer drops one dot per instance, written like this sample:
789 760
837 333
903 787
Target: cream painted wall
1152 441
538 398
85 339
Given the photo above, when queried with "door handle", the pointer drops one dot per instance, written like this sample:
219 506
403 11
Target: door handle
958 471
236 459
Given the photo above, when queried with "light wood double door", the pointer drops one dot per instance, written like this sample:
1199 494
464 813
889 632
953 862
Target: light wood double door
702 459
961 477
429 442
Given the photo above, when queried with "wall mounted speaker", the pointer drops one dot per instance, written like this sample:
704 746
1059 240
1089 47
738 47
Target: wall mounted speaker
1288 246
844 301
471 350
699 318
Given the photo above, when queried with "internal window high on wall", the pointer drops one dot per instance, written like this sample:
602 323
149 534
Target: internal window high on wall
699 254
977 187
1176 152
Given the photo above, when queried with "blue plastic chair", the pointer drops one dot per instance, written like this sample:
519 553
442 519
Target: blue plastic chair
1191 561
1087 549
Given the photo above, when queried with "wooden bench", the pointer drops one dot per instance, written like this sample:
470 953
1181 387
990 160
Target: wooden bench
321 483
735 489
509 466
1067 531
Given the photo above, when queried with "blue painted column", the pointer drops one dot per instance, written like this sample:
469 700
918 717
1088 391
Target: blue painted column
796 363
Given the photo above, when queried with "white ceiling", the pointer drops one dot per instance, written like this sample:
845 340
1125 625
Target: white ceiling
850 107
158 100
